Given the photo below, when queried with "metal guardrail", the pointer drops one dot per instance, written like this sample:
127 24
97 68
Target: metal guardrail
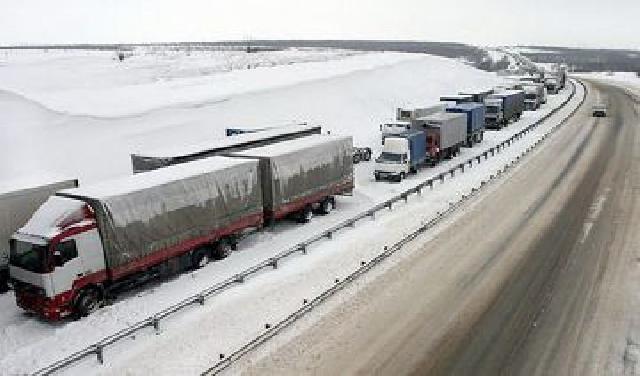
200 298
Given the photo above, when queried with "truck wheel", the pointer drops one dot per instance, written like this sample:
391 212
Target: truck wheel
221 250
401 177
87 302
326 206
377 176
200 258
305 214
367 155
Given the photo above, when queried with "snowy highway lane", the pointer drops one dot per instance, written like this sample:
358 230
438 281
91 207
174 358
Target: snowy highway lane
230 319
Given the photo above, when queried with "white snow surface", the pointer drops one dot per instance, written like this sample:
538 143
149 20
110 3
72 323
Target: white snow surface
95 149
52 215
93 83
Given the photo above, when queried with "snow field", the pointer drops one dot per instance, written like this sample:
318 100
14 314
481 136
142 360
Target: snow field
222 326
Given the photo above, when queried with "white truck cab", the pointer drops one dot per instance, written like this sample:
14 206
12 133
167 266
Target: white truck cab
394 161
55 255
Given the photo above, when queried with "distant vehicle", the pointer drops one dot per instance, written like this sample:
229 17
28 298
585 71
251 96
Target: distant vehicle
86 244
475 113
361 154
600 110
150 160
456 99
478 96
552 84
534 96
18 201
413 114
401 154
503 107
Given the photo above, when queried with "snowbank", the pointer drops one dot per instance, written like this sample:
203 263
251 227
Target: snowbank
95 84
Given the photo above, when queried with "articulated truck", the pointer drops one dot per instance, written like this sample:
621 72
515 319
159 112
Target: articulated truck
18 201
446 133
503 107
84 245
534 96
148 160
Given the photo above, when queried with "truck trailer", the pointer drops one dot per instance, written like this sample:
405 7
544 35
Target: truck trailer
503 107
475 113
409 115
446 133
18 201
478 96
303 176
85 244
401 154
149 160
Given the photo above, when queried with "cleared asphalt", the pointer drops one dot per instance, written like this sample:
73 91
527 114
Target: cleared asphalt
541 276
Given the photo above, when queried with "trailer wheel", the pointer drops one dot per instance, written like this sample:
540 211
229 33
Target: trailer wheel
87 302
305 215
326 206
377 176
200 258
222 250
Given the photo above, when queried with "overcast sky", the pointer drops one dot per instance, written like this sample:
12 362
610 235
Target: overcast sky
581 23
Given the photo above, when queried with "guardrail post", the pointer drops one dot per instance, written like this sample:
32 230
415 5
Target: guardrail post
431 183
100 353
478 158
156 324
405 197
201 299
461 167
274 263
389 205
373 215
485 155
303 249
442 178
470 161
453 172
329 234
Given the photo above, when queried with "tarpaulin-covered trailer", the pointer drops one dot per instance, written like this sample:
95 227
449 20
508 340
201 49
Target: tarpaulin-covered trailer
303 172
147 160
146 218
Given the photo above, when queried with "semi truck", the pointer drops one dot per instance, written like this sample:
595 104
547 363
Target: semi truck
478 96
503 107
534 96
144 161
401 154
18 201
552 85
451 100
446 133
85 245
475 113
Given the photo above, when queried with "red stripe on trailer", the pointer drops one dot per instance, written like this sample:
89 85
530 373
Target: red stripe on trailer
254 220
299 204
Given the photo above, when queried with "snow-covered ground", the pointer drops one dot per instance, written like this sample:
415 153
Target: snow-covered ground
352 96
351 103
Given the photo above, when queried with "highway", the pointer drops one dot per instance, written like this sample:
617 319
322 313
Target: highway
538 276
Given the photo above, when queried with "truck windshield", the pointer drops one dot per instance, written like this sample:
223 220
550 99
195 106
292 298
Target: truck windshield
390 157
28 256
492 109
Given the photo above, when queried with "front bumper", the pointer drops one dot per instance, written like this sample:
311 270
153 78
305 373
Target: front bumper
33 300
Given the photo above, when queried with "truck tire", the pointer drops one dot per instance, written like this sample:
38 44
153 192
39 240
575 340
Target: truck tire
367 155
376 176
326 206
221 250
200 258
87 302
4 281
305 215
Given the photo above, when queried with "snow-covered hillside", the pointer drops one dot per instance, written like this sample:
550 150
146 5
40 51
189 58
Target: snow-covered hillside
347 95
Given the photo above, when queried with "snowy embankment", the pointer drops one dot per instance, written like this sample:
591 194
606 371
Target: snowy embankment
89 148
627 80
189 342
93 84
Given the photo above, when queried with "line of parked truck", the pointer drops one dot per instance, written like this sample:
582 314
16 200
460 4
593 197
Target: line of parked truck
425 136
185 206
